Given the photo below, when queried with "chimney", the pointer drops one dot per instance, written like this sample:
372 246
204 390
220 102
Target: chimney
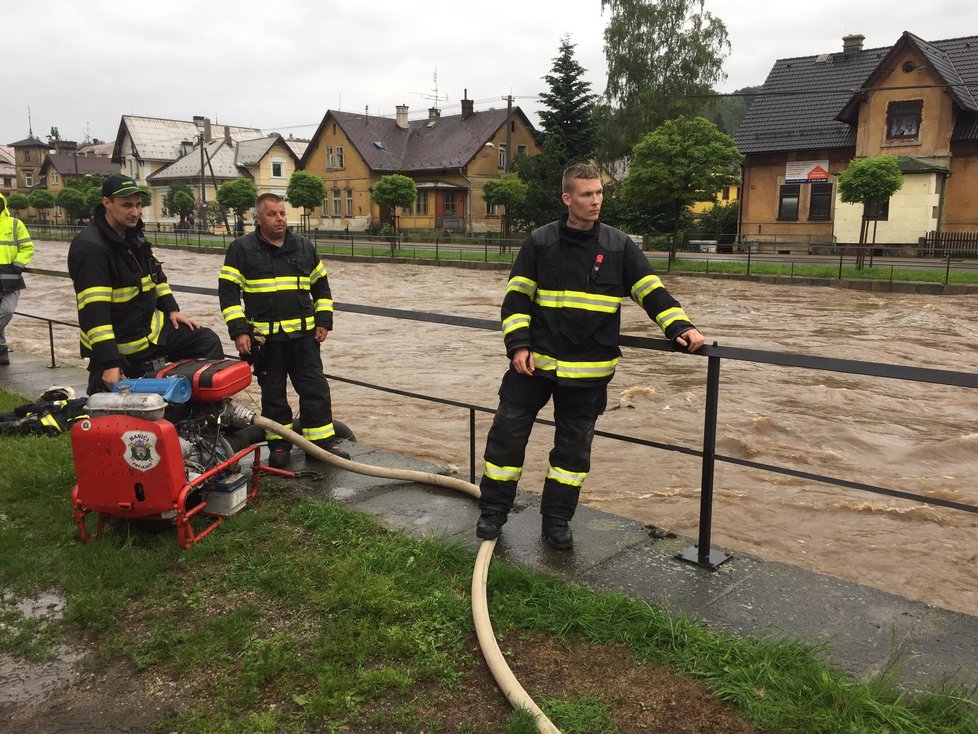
467 106
434 113
402 115
207 130
853 43
227 136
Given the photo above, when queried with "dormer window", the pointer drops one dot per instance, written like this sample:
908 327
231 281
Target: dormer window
903 120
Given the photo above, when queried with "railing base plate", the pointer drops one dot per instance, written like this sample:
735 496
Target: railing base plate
712 562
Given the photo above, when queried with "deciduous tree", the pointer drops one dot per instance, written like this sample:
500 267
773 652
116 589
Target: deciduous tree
72 200
661 54
507 191
238 195
41 200
392 191
869 181
680 162
18 203
179 200
307 191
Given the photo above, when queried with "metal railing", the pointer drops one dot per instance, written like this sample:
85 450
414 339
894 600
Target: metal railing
701 554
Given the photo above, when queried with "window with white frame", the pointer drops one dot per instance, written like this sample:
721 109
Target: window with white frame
29 179
491 210
53 178
339 156
330 159
502 156
337 201
521 150
278 168
349 202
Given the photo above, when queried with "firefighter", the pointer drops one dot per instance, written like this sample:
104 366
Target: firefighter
561 320
128 319
288 312
16 251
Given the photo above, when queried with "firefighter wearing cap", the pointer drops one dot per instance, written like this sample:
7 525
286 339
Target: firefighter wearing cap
128 317
16 251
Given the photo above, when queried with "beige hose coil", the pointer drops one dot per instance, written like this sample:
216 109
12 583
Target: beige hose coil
511 688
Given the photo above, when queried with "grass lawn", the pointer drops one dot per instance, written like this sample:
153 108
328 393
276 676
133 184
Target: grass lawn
299 615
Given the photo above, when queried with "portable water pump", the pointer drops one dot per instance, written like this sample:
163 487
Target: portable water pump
169 447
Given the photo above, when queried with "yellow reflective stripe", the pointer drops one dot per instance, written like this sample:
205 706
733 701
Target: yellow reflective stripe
50 420
503 473
232 274
574 370
317 272
98 334
516 321
269 436
320 433
666 317
519 284
288 326
124 295
565 476
233 312
263 285
163 289
578 299
645 286
324 304
133 347
94 294
147 283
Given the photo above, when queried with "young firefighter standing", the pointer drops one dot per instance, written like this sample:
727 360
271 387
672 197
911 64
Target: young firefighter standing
288 310
561 321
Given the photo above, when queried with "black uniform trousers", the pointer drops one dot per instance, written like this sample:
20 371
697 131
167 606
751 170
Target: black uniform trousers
175 344
576 409
299 360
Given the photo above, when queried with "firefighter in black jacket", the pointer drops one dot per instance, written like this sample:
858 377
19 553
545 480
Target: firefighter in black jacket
561 321
288 310
128 319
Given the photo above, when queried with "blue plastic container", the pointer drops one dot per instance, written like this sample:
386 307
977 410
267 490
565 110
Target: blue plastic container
174 390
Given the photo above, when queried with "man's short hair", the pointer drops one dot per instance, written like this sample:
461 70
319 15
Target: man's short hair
268 196
578 170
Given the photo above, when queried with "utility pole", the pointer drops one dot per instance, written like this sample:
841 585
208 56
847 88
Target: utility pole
203 195
509 131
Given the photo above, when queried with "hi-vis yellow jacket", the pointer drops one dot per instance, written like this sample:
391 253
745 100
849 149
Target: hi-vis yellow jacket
563 301
16 250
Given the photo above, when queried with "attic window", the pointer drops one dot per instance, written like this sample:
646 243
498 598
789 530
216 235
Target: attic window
379 145
903 120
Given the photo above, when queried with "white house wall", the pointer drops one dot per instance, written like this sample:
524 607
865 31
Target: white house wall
913 211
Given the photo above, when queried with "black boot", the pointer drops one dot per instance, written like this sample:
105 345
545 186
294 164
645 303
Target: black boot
4 355
490 524
557 533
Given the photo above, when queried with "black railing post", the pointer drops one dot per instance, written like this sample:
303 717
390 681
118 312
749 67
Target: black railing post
701 554
51 341
947 269
472 445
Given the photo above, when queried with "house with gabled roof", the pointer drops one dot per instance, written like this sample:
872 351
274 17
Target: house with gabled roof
8 169
448 157
58 167
269 161
916 100
144 145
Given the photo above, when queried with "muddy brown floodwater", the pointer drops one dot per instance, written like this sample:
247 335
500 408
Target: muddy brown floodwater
914 437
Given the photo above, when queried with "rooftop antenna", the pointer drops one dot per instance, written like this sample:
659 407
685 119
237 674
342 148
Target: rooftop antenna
30 127
434 97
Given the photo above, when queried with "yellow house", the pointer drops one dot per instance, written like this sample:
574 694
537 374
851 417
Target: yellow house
58 167
916 100
449 158
28 155
725 195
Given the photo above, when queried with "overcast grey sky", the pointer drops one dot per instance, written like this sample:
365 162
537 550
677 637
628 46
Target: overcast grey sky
281 65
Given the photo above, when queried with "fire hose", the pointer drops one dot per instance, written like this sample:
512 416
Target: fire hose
507 682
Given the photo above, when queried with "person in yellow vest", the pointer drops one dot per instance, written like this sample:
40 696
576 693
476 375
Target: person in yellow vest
16 251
